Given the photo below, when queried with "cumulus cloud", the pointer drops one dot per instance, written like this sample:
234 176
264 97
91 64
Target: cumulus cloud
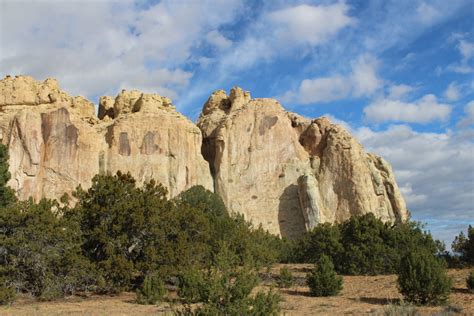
423 110
323 89
468 119
96 47
364 77
435 172
452 92
466 50
309 24
362 81
291 30
399 91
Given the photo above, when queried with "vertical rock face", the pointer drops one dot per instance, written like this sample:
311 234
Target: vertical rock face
289 173
279 169
56 142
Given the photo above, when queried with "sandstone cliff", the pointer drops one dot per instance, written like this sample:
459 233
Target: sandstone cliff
290 173
56 142
279 169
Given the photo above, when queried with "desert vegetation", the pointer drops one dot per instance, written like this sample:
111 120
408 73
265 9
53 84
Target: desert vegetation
121 237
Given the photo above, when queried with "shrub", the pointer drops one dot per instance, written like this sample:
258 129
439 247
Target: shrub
193 287
470 282
151 291
323 280
7 293
41 251
285 279
324 239
464 246
365 248
400 310
225 289
7 196
422 278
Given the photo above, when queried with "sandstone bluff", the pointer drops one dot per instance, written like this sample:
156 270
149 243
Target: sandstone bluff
279 169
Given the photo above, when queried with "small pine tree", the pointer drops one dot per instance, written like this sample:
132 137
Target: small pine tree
422 278
152 290
323 280
7 293
285 279
470 282
7 195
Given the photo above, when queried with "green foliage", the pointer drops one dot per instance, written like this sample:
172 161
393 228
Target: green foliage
7 195
193 287
465 246
285 279
364 245
41 251
204 200
7 293
324 239
119 225
152 290
470 282
323 280
422 278
225 289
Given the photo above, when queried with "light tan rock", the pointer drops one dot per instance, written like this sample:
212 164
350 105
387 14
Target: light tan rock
56 142
289 173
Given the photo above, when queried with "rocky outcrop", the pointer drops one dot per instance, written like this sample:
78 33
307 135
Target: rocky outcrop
278 169
289 173
56 142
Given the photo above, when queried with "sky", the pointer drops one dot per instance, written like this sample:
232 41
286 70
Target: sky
397 74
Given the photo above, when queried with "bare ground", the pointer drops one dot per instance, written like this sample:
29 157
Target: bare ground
362 295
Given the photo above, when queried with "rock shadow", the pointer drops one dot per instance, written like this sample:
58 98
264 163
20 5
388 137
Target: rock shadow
290 217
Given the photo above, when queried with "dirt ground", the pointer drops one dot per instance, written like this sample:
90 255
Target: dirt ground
362 295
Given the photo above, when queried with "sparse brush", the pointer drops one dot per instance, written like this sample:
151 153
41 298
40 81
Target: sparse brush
285 279
152 290
470 282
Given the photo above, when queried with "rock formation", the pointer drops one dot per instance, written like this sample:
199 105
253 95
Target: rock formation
56 142
290 173
279 169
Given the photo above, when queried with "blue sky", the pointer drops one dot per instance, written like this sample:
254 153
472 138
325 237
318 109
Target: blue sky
398 74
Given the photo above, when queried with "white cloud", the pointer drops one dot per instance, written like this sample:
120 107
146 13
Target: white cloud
435 172
364 77
290 31
96 47
427 13
309 24
466 49
452 92
399 91
216 39
323 89
423 110
362 81
468 119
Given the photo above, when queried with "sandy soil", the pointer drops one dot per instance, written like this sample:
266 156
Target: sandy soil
362 295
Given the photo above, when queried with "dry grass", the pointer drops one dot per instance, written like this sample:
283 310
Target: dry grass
362 295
